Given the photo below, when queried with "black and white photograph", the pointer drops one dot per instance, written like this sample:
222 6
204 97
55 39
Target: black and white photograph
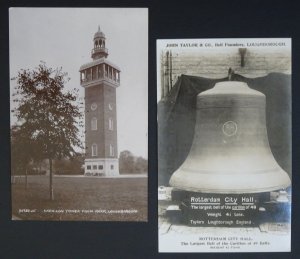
79 114
224 144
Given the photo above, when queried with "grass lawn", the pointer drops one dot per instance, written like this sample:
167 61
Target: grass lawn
81 198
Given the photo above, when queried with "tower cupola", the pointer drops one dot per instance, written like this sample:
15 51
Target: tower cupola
99 50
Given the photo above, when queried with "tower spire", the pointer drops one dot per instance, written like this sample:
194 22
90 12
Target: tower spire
99 50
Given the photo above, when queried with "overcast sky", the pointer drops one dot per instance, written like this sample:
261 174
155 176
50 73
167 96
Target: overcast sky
64 37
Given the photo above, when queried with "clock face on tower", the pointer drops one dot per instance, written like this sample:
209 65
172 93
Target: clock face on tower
93 106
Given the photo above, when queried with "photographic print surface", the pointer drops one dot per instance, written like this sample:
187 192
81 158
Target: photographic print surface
79 113
224 145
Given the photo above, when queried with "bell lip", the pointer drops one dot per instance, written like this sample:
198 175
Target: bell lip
196 187
229 191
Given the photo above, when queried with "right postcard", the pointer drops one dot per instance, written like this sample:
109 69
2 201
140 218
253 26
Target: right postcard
224 145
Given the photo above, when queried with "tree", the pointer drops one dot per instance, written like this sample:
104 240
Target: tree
73 165
130 164
141 165
19 159
126 162
48 116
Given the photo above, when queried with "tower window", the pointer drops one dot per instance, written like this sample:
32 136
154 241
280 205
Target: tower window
88 74
105 70
88 167
94 167
112 167
110 124
100 167
111 150
94 73
100 71
94 123
94 150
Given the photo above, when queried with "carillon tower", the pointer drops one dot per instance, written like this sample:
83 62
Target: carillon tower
100 78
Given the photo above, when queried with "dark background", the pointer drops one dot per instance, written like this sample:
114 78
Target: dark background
167 19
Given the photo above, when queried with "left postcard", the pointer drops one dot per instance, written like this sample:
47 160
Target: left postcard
79 113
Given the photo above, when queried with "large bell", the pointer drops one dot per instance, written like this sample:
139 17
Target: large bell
230 151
